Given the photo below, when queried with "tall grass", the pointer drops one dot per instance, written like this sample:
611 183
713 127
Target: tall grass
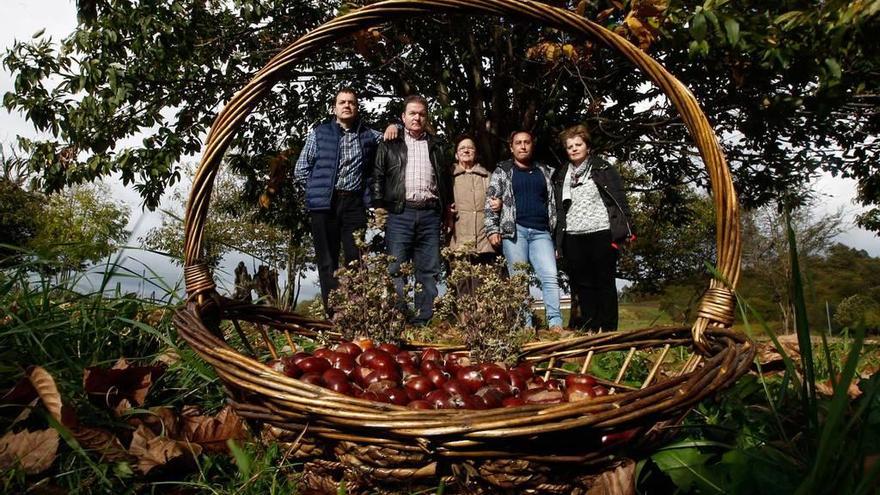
768 434
776 434
53 323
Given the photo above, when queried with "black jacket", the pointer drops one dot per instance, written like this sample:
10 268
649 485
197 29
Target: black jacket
610 185
389 175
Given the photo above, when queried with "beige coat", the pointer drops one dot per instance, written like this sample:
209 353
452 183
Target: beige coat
469 190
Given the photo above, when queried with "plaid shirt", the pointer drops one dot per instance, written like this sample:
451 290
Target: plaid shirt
420 181
349 176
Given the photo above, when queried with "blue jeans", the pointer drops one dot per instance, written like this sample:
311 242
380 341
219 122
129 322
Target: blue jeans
536 248
414 235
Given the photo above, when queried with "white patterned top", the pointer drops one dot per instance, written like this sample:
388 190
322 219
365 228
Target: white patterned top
587 212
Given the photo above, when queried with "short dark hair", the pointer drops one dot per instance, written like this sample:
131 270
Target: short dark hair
519 131
347 90
574 131
415 99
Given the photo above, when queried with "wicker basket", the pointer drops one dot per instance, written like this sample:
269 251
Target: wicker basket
539 448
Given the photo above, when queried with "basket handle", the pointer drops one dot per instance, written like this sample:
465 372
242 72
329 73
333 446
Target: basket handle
716 307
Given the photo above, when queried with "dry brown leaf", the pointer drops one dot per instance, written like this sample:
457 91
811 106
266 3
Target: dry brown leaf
34 451
639 29
769 357
162 421
649 8
153 451
101 441
544 51
601 16
869 371
23 393
213 432
120 383
618 481
168 357
827 389
45 386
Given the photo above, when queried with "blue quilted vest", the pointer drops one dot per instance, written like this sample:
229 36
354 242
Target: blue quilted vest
321 182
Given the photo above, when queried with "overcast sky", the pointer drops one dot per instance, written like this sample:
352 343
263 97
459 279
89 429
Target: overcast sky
20 19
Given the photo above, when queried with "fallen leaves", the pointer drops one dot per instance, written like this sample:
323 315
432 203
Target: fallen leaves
163 437
772 362
213 432
827 388
33 451
46 389
769 357
152 451
121 386
101 441
620 480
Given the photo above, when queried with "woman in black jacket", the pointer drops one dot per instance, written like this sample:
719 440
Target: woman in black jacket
592 222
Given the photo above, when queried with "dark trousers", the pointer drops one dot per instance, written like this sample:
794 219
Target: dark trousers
591 264
334 228
414 235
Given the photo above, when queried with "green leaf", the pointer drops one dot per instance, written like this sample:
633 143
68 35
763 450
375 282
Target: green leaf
242 459
38 33
698 26
787 17
834 68
732 28
687 469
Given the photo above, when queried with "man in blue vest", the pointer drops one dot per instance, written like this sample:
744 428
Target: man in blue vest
335 168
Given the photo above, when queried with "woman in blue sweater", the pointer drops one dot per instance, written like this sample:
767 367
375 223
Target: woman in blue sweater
523 225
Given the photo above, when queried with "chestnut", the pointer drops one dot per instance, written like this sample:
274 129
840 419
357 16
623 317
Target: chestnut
432 354
389 348
312 379
579 391
349 348
314 365
580 379
420 385
471 377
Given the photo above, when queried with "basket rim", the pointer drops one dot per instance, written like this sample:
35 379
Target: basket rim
716 308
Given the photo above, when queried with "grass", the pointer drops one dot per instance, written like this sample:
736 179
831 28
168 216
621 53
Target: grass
768 434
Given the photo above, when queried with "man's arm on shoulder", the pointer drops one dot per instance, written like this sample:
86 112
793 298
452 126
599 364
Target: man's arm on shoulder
306 159
379 168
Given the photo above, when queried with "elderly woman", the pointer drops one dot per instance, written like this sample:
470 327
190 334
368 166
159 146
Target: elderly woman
470 181
592 222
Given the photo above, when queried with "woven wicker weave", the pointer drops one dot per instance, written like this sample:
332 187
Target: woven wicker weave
536 448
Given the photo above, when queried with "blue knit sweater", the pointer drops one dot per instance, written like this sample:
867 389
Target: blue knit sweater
530 192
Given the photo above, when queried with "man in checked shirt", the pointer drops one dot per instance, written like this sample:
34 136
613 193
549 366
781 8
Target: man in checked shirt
335 168
412 187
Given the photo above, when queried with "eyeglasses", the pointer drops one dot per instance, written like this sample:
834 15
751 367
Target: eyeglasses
467 148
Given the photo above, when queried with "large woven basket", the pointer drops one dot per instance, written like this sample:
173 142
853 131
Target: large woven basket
540 448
